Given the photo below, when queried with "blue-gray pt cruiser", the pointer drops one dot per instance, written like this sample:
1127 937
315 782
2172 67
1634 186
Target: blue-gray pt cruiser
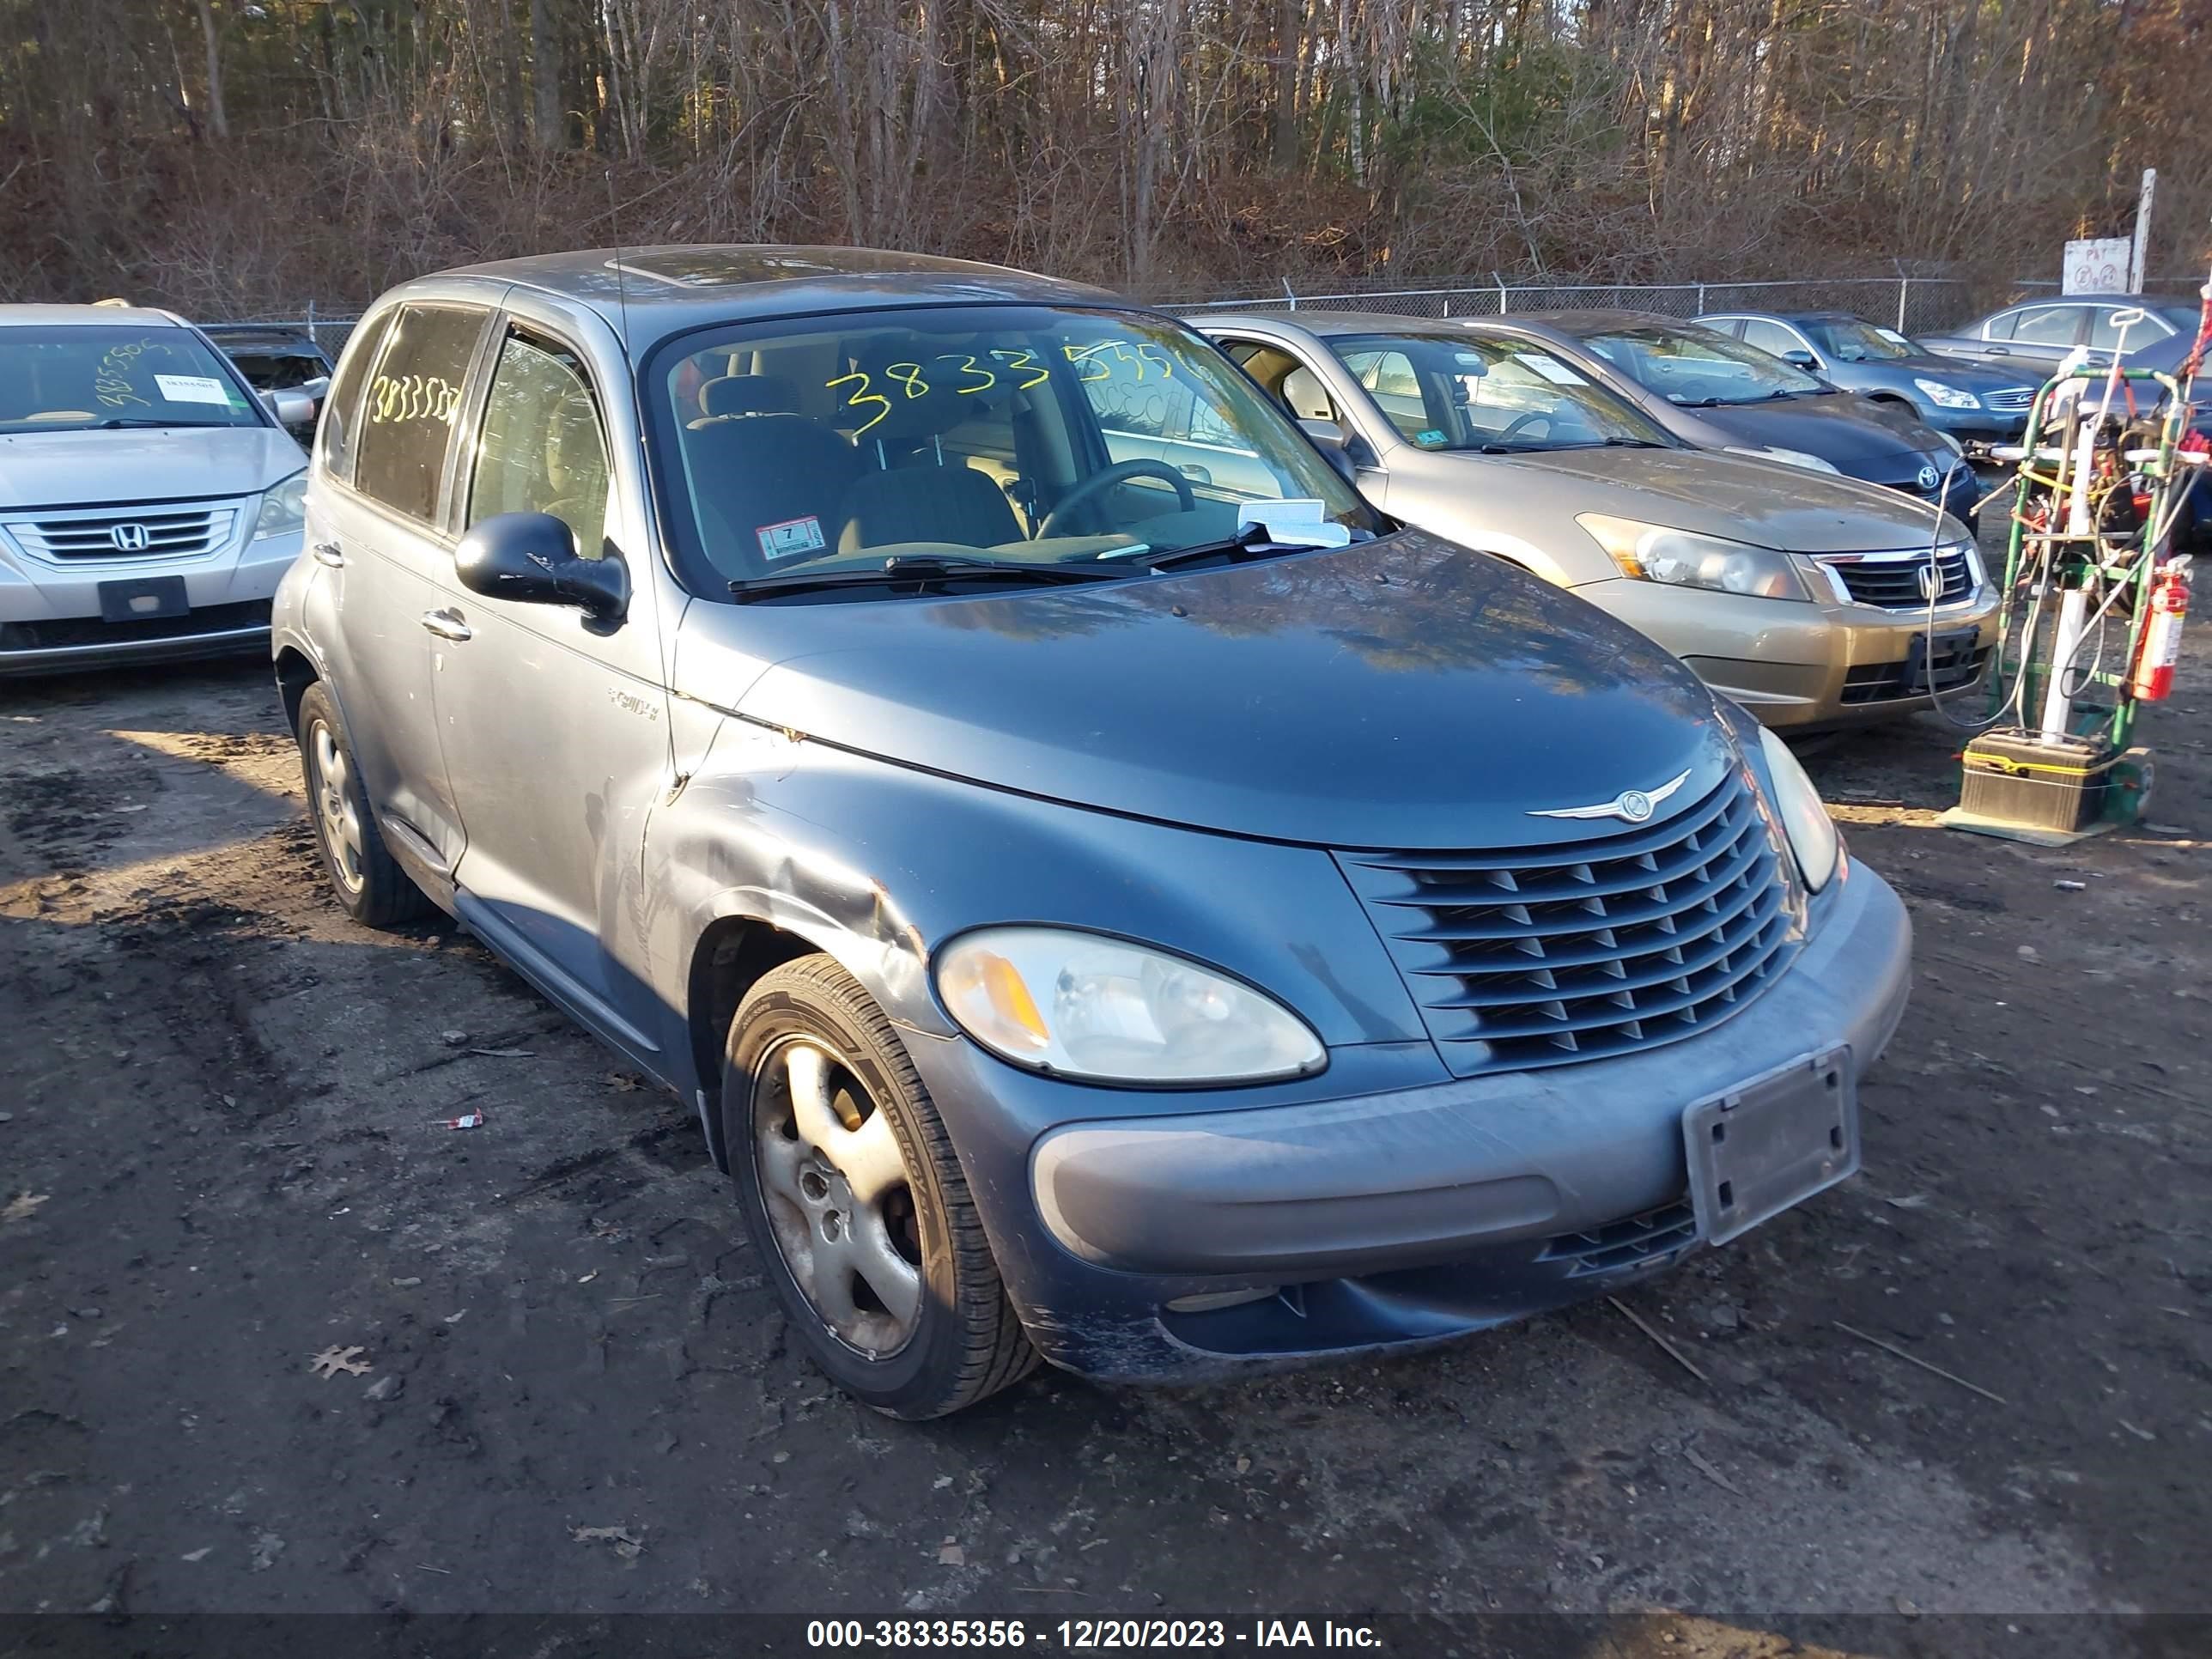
1098 914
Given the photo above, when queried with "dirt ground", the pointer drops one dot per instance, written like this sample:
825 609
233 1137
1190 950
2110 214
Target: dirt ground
223 1152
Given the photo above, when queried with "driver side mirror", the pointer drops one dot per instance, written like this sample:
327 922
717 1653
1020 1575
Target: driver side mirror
530 558
1335 444
1800 358
292 406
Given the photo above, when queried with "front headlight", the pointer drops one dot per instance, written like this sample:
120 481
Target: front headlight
1790 457
1946 396
1683 558
1085 1005
1811 832
283 509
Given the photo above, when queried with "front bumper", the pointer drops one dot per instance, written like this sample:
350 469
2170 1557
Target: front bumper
1799 666
1399 1218
50 614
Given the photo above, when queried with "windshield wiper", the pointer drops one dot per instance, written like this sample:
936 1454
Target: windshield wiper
1252 541
918 571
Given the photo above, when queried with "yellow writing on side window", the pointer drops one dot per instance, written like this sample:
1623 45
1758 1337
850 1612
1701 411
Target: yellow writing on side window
393 398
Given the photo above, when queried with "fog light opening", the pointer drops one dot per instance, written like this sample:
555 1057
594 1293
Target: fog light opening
1212 1301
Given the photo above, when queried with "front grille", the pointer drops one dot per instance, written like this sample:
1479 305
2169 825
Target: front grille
168 531
2014 400
1894 583
1530 956
58 634
1640 1240
1881 682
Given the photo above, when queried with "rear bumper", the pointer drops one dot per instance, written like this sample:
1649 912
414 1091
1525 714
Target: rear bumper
1403 1218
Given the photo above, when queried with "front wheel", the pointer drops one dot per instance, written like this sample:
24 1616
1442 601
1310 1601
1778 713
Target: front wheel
850 1188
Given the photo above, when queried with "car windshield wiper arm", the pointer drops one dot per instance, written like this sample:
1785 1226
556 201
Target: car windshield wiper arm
1252 541
918 570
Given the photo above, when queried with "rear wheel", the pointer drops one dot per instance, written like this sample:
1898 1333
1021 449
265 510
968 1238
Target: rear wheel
850 1188
369 885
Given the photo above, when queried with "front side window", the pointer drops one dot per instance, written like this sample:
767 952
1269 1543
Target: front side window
1771 338
541 449
83 377
1851 341
1029 434
2104 334
1696 367
1459 389
408 408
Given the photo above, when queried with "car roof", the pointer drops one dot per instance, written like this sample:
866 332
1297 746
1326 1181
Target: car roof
650 293
89 316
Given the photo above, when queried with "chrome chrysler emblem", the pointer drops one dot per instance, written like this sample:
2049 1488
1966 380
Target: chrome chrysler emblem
1930 478
1633 804
128 537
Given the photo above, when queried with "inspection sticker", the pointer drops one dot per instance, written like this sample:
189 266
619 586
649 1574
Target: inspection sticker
1550 368
791 538
193 389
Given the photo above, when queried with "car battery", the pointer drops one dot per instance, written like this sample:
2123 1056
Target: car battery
2018 777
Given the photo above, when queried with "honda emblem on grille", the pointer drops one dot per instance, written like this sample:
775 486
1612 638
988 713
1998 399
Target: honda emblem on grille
1930 478
1632 805
1931 581
130 537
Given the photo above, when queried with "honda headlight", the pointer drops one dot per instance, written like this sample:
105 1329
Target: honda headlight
1085 1005
1787 457
283 509
1946 396
1804 821
1683 558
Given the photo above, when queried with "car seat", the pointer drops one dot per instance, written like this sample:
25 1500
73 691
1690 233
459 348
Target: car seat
914 492
766 488
732 397
1305 397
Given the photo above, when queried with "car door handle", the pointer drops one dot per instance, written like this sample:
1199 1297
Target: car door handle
328 553
1997 352
1195 472
447 625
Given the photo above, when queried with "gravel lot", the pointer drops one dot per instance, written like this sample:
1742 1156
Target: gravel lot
221 1152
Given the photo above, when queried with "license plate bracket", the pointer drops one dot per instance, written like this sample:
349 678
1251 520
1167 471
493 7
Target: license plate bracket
1938 662
145 599
1772 1142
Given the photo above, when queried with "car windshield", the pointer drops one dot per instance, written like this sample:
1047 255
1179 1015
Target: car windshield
1024 436
1458 390
1848 340
1695 366
79 377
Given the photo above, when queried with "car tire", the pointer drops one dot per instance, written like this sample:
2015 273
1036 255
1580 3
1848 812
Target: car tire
370 885
850 1188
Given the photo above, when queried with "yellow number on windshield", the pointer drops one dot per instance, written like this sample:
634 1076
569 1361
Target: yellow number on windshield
1024 359
910 376
972 366
861 398
1086 358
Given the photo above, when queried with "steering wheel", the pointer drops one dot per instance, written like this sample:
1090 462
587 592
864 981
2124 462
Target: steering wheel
1091 487
1515 425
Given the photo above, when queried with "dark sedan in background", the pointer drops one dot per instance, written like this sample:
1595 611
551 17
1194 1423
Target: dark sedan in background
1715 393
2035 335
1972 402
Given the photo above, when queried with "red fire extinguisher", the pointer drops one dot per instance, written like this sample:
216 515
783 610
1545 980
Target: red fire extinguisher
2152 678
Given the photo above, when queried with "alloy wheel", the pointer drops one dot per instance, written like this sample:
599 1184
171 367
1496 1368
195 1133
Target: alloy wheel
334 805
838 1197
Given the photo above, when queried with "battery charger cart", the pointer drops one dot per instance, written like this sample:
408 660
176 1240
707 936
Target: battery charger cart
2094 598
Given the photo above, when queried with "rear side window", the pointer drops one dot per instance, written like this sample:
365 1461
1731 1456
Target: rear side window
340 408
2049 326
409 407
541 450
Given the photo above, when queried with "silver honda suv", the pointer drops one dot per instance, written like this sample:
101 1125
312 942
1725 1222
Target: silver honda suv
150 497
